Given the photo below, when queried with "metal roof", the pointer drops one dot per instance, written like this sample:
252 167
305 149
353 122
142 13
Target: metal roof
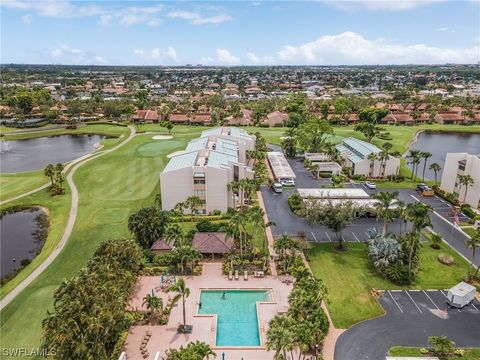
358 150
334 193
181 161
280 166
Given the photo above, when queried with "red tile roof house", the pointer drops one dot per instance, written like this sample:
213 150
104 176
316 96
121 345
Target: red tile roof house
179 118
160 247
276 118
146 115
201 119
243 120
211 244
449 118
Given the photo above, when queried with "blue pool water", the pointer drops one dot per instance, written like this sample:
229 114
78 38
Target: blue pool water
237 321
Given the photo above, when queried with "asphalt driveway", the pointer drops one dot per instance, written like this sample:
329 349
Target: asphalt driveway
411 316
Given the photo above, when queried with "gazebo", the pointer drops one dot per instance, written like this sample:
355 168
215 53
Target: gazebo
213 243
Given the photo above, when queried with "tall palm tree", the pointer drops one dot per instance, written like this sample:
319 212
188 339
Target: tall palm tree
435 168
372 157
279 336
411 242
425 155
473 243
414 156
174 235
419 214
193 202
182 292
467 181
50 172
386 200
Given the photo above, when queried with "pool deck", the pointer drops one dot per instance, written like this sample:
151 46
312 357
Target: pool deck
204 326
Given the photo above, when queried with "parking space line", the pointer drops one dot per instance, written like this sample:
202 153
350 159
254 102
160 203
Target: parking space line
355 236
328 237
447 299
474 306
395 301
429 298
414 303
314 236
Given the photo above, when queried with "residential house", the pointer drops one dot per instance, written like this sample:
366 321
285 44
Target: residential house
146 115
276 118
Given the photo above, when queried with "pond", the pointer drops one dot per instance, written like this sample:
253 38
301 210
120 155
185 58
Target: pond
35 154
439 144
23 234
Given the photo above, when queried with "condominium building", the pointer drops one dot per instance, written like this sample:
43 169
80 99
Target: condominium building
457 164
206 167
365 159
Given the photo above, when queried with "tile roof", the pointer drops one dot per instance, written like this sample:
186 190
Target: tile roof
212 243
160 244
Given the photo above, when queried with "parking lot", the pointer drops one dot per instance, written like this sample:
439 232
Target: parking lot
410 318
442 207
423 301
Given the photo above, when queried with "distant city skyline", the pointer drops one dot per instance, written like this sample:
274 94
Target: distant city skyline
360 32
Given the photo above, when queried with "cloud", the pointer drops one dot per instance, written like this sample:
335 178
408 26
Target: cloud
378 5
224 57
65 54
197 19
26 19
446 29
253 57
131 15
156 56
350 48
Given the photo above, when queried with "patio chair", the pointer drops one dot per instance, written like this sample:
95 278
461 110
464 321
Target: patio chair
236 274
245 275
230 275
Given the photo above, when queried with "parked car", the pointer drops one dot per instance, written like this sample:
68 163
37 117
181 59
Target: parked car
277 187
424 190
370 185
287 182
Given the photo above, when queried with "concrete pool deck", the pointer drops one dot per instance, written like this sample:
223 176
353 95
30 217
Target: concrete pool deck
204 326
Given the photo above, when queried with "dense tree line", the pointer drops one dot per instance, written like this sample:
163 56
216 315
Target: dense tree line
88 312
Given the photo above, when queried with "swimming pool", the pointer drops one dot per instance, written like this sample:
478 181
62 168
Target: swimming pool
237 319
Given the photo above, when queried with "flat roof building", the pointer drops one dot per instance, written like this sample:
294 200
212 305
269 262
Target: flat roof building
205 168
357 154
280 167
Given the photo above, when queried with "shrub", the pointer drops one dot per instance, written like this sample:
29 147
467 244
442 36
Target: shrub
207 226
398 273
358 177
396 178
263 125
441 345
295 202
25 262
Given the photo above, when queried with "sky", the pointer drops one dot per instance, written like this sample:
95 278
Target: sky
322 32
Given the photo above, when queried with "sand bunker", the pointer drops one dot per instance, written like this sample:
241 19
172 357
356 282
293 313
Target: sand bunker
162 137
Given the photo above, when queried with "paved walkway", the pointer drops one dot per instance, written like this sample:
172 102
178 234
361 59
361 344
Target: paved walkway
71 221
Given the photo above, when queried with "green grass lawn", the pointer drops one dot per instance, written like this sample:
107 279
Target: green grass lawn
350 278
12 185
470 354
111 188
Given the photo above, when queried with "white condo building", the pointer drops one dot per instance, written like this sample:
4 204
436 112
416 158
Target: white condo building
205 167
457 164
355 154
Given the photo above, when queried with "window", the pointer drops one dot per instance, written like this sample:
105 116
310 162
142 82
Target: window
199 192
235 173
461 167
199 181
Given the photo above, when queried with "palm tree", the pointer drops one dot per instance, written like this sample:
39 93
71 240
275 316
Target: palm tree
411 242
425 155
50 172
473 243
435 168
174 235
419 214
279 336
414 155
384 207
372 157
193 202
182 293
466 180
153 303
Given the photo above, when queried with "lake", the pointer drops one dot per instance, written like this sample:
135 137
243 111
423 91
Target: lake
35 154
20 238
439 144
